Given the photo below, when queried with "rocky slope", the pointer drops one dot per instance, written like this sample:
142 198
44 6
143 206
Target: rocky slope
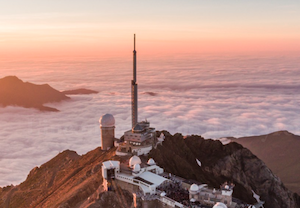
70 180
221 163
280 152
15 92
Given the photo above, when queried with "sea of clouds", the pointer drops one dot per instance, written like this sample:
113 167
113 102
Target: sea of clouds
206 95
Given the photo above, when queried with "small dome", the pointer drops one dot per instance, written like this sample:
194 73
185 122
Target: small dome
219 205
192 200
151 162
163 193
107 120
134 160
194 188
136 168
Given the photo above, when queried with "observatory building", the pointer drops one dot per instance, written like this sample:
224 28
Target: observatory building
107 127
205 195
134 177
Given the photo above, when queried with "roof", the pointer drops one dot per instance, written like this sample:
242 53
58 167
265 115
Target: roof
110 164
138 128
143 180
153 178
107 120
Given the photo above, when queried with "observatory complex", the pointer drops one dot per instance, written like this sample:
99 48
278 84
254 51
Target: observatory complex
147 180
141 138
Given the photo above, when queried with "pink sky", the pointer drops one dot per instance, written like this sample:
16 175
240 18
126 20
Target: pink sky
40 29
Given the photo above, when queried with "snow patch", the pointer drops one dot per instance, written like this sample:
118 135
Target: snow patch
198 162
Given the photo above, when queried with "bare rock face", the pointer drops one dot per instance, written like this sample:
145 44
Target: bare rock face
220 163
250 172
66 181
280 152
119 199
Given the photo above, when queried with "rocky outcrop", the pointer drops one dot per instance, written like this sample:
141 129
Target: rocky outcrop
220 163
118 199
251 173
15 92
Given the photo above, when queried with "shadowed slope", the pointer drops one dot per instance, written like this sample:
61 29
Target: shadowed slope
280 152
220 163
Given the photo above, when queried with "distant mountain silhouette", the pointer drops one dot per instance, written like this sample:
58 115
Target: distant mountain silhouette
15 92
80 91
280 152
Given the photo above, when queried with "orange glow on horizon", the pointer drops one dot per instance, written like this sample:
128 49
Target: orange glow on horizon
145 47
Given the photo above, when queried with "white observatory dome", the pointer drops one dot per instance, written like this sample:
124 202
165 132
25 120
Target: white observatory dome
219 205
107 120
136 168
194 188
163 193
134 160
151 162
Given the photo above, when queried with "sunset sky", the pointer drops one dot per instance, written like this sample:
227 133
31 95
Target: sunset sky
182 48
76 28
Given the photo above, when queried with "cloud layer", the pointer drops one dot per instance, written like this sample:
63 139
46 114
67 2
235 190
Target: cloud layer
210 96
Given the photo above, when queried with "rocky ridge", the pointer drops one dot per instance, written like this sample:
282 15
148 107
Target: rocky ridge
220 163
70 180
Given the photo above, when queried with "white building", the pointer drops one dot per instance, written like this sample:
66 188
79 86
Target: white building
139 140
135 177
209 196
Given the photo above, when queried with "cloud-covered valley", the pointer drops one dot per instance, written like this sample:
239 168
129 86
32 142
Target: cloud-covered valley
210 96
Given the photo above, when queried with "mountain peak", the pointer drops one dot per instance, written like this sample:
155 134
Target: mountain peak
280 133
11 80
15 92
